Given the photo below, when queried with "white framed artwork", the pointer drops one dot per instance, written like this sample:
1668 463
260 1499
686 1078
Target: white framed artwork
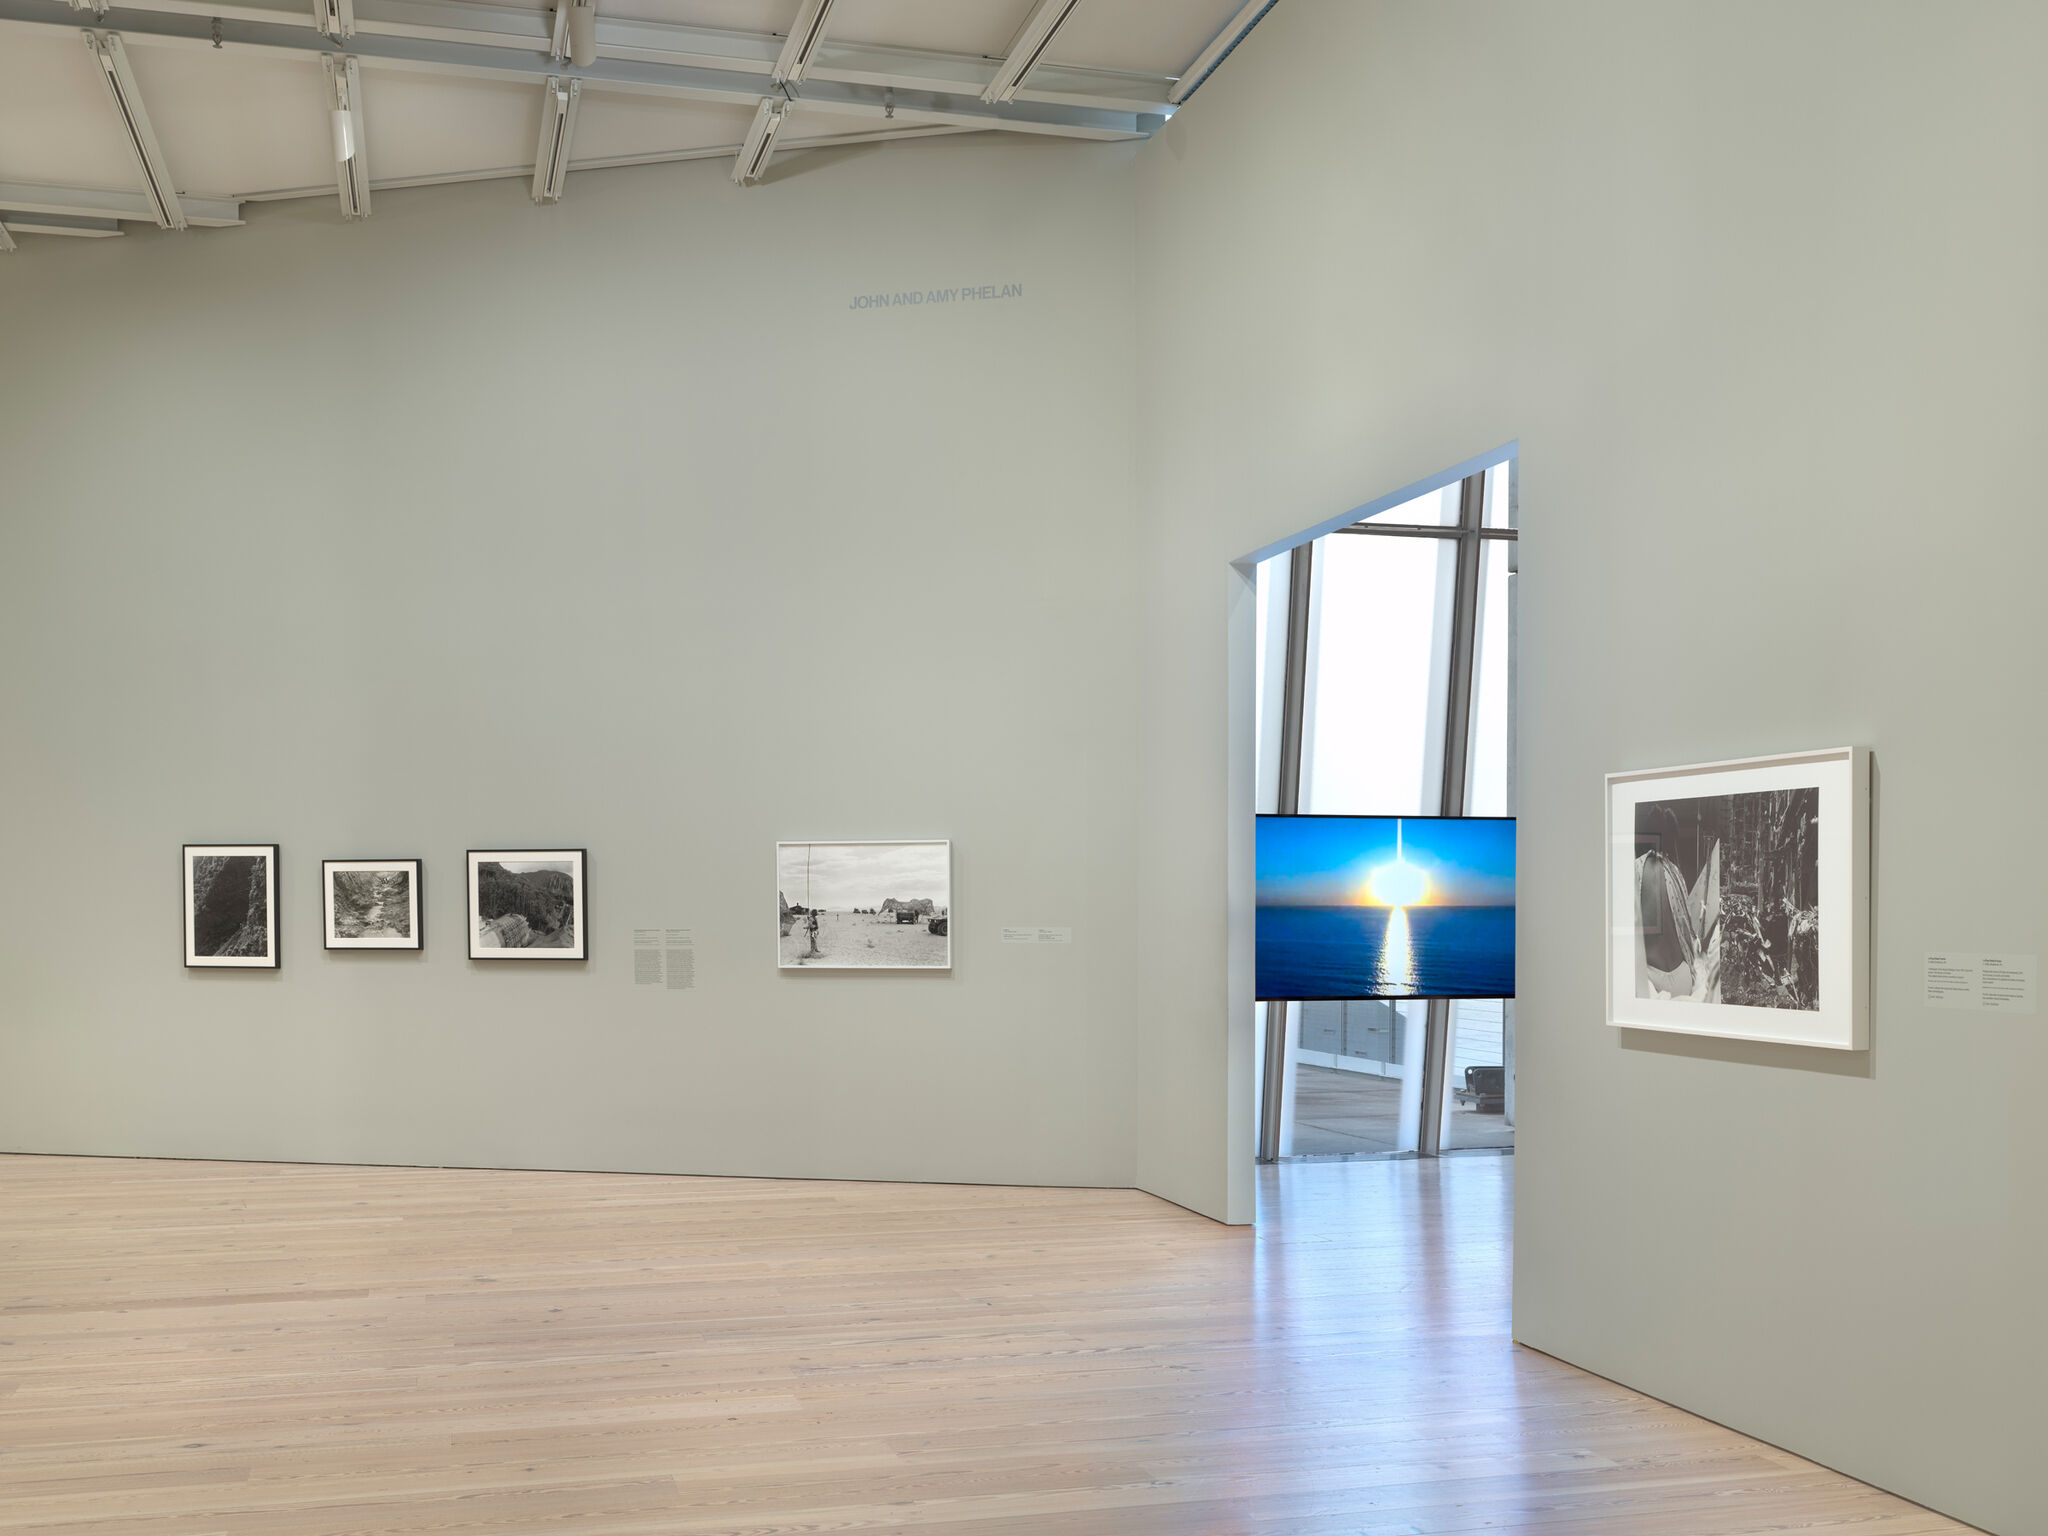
371 903
231 906
874 905
528 904
1738 899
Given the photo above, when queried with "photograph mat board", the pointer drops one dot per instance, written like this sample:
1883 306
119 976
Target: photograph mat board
371 903
842 905
231 923
1840 779
538 899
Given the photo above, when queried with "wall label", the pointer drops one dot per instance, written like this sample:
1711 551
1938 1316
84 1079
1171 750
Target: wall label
2001 983
1038 935
910 298
664 957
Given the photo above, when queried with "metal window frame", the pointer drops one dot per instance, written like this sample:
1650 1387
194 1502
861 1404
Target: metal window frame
1472 535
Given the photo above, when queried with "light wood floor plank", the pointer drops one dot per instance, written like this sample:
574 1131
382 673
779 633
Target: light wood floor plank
207 1349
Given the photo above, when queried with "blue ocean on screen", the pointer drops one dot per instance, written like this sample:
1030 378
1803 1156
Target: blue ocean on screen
1386 906
1314 952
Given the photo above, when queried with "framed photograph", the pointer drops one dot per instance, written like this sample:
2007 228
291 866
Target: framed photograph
527 904
1738 899
864 906
231 905
371 903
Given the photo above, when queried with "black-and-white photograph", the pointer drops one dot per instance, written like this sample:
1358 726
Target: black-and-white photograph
882 905
527 904
1727 897
231 905
371 903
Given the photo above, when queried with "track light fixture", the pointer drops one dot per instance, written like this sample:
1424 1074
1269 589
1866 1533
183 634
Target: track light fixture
557 123
801 46
759 147
345 115
110 63
335 19
1028 47
583 34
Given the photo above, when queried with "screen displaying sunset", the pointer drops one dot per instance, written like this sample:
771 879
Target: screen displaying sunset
1385 906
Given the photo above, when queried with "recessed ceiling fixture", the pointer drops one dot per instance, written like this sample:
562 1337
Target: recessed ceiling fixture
557 124
1028 47
805 34
110 62
345 107
759 147
583 34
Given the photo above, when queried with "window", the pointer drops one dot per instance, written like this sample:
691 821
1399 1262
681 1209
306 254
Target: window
1386 681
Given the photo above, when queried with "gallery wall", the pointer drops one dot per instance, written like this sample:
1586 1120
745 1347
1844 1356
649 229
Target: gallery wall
1757 290
614 525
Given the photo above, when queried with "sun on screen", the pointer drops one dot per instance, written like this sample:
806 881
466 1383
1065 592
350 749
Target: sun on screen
1399 884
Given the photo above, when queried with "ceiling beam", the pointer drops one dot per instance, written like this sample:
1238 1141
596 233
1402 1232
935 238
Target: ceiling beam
98 203
58 224
557 127
1219 49
1028 47
351 151
110 64
722 61
806 36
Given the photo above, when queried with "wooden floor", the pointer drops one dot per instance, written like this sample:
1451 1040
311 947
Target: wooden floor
201 1348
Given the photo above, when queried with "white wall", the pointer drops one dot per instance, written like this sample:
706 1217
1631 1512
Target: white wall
1759 291
611 525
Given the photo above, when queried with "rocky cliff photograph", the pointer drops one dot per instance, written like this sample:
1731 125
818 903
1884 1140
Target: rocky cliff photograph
371 903
231 905
881 905
527 904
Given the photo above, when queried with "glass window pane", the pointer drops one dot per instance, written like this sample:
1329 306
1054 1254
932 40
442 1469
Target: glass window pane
1372 739
1500 495
1436 509
1357 1079
1476 1090
1490 753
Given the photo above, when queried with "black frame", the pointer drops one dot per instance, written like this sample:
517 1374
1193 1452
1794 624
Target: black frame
1385 997
419 910
498 855
276 935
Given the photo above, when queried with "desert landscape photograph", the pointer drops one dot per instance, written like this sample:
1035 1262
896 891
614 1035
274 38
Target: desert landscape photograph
857 905
526 904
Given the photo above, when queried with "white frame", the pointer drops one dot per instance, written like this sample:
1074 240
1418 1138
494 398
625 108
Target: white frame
576 859
329 868
1842 775
872 842
269 853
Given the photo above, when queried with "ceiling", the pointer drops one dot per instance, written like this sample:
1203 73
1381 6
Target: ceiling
234 101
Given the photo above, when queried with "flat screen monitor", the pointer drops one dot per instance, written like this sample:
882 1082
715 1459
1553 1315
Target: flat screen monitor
1385 906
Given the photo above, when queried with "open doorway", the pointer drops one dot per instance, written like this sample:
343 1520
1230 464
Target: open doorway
1385 688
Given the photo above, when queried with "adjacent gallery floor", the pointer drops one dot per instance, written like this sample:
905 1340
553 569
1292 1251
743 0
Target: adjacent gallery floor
197 1348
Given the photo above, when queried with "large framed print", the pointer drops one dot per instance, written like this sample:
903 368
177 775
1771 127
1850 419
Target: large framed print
528 904
1738 899
847 906
231 905
371 903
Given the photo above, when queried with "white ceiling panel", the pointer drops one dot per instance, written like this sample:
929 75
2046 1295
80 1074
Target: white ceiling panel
1160 37
982 27
417 124
614 125
235 123
56 124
